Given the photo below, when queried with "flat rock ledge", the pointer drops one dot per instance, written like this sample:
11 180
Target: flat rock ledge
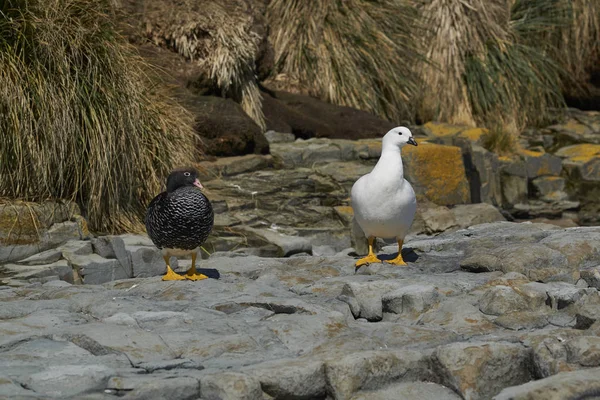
495 311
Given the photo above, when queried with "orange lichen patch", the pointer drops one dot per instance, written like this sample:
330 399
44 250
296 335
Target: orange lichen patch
580 152
438 172
440 129
473 134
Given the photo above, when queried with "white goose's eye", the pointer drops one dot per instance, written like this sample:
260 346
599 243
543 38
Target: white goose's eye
186 173
400 133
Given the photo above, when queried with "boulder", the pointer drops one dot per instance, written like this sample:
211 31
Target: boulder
564 385
225 129
481 370
438 172
230 385
308 117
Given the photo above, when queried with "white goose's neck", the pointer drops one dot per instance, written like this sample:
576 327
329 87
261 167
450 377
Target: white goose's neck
390 163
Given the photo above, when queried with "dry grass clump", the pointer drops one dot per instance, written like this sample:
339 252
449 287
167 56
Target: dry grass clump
485 64
355 53
500 141
216 35
78 118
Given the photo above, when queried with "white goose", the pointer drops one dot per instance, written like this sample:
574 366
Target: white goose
384 202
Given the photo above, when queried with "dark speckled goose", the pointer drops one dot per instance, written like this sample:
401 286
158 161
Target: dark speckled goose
179 220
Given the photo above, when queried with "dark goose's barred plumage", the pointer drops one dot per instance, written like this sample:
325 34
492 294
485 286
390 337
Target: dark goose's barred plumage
182 217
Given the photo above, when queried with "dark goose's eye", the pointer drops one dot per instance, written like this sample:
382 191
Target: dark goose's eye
186 173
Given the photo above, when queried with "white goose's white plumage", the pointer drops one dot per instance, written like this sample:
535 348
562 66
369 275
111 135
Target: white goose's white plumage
384 202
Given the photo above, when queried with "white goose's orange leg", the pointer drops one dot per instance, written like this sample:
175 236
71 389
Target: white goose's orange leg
398 260
171 275
371 257
192 274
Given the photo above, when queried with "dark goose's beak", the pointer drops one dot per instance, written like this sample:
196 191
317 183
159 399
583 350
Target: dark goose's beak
412 141
198 184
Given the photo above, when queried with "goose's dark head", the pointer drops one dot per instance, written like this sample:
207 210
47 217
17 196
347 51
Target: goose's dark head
180 177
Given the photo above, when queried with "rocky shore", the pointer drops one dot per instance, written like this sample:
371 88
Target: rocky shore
500 310
488 307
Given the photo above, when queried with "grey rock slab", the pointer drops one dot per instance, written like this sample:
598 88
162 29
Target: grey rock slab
288 245
500 299
563 385
562 294
584 351
56 284
398 335
60 268
45 257
302 333
480 370
10 389
167 365
230 385
408 391
369 370
37 323
458 315
291 378
368 296
139 345
592 276
410 299
467 215
69 380
113 247
482 237
581 245
522 320
148 261
95 269
78 247
131 239
536 261
438 219
42 351
154 387
549 353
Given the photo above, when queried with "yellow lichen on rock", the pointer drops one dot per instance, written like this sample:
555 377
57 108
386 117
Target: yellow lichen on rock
345 213
440 129
531 153
574 126
580 152
473 134
438 172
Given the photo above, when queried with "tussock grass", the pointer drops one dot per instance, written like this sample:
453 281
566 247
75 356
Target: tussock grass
219 37
567 31
78 115
488 64
355 53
